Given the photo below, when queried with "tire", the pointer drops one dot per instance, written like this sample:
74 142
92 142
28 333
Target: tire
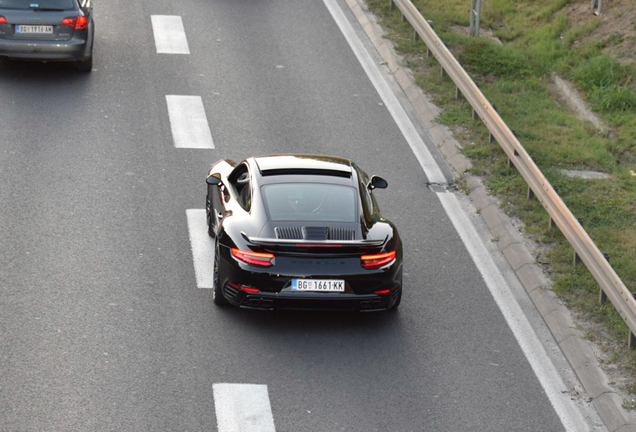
208 208
86 65
397 302
399 299
217 291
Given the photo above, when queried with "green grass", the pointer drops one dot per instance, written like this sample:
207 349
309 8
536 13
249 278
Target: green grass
539 40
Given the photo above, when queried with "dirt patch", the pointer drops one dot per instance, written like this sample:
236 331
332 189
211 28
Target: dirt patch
617 30
483 33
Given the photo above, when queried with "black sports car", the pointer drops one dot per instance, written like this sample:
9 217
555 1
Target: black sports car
301 232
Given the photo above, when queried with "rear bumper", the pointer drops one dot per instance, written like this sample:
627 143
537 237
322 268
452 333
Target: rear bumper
70 50
311 301
275 289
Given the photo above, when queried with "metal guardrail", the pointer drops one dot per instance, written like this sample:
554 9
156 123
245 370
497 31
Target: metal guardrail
584 248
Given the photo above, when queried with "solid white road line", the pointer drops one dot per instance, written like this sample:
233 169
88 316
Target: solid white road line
170 37
243 408
188 122
533 349
431 169
202 248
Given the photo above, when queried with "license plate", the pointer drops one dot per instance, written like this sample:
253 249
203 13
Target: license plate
318 285
34 29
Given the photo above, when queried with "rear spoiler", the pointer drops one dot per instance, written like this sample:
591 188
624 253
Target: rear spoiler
309 243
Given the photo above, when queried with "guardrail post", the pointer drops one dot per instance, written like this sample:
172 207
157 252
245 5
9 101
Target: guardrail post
458 93
474 115
602 296
632 340
491 137
577 259
428 52
416 35
443 72
403 18
551 223
530 193
510 163
392 4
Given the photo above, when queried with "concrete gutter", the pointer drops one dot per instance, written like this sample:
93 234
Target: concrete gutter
578 351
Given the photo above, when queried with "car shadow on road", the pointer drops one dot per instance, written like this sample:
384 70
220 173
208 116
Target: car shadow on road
15 72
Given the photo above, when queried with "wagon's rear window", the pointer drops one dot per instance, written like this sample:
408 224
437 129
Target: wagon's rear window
310 202
41 4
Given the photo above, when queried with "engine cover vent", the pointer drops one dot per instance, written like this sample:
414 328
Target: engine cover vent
341 234
315 233
289 233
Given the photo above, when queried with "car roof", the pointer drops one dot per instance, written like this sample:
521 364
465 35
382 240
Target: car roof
304 164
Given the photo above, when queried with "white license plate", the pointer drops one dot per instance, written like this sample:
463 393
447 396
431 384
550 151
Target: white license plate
318 285
34 29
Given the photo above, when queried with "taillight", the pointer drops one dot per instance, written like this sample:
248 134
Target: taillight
377 261
81 23
77 23
258 259
3 20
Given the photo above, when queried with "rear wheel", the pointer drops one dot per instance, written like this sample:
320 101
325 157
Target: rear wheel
397 302
208 208
399 297
86 65
217 291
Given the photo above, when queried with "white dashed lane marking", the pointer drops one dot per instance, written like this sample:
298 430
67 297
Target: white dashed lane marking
170 37
188 122
243 408
202 248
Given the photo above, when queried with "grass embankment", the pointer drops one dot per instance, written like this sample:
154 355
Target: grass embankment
541 38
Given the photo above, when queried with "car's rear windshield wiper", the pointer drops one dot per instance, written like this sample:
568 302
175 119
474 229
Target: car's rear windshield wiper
48 9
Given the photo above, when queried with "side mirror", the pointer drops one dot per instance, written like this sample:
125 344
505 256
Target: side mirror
214 180
377 182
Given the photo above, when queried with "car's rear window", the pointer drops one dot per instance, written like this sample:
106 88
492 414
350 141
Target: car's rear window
41 4
310 202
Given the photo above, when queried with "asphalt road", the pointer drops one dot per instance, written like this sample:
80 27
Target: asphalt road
102 326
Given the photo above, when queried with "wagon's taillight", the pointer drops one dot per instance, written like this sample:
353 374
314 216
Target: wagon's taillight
258 259
81 23
3 20
77 23
378 260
